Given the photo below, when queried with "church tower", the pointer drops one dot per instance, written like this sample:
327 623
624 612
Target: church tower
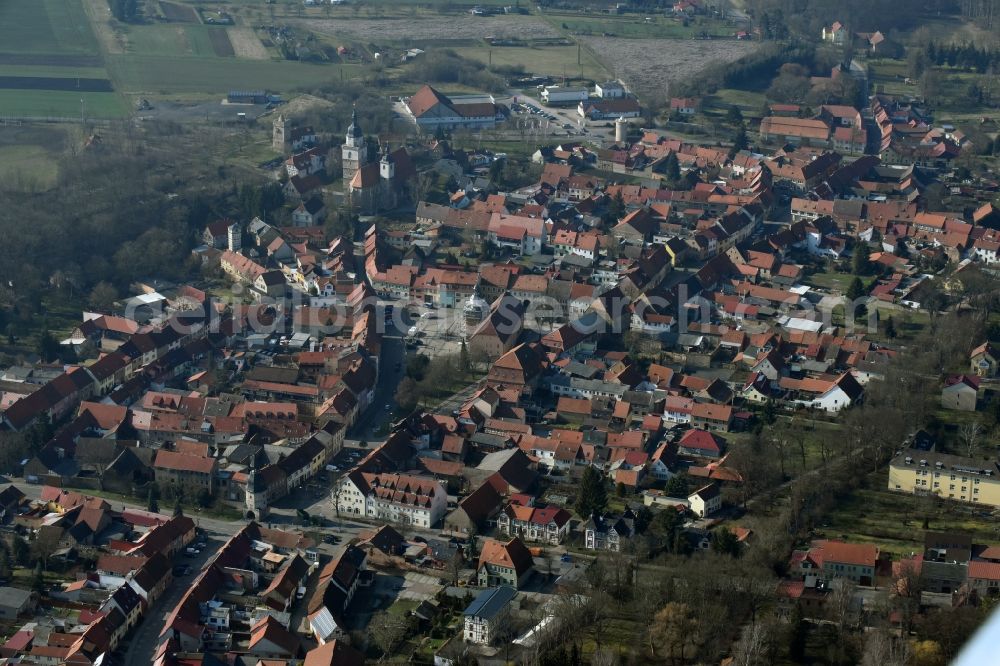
387 167
279 134
354 152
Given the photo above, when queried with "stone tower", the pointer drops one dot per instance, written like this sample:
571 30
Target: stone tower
387 167
256 497
279 134
354 152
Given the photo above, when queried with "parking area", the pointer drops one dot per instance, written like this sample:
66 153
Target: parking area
435 331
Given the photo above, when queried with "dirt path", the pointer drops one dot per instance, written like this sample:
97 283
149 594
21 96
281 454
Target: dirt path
246 44
98 13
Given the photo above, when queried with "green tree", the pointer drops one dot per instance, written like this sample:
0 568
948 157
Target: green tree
859 262
21 551
38 581
798 635
103 296
740 140
408 394
734 116
676 486
617 209
724 541
205 498
48 347
672 168
178 509
592 496
856 289
463 358
890 328
151 501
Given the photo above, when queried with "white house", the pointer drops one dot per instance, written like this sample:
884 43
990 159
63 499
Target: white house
842 393
609 90
399 498
487 616
705 501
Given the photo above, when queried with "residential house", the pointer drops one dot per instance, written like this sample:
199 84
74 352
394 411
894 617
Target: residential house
487 617
947 476
194 473
837 559
549 525
608 532
399 498
960 392
503 563
984 360
705 501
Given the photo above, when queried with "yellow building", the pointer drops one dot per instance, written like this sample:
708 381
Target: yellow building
947 476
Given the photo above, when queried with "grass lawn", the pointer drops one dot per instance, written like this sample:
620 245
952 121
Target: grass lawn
28 167
156 74
895 521
551 60
836 281
45 26
62 103
749 102
403 606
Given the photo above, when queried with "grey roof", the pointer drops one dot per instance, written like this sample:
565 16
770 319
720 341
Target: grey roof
12 597
491 601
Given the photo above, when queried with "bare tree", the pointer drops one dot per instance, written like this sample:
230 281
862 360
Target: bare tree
603 657
841 603
969 434
673 626
884 649
388 631
756 646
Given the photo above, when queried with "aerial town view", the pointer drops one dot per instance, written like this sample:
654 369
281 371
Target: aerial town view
554 333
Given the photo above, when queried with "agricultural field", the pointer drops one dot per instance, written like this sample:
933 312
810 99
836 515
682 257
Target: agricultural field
49 60
639 27
648 65
151 75
548 60
432 27
179 13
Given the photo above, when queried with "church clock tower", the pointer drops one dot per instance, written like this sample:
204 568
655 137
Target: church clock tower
354 152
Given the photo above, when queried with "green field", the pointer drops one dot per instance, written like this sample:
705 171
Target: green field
51 38
172 39
551 60
61 103
28 167
165 75
45 26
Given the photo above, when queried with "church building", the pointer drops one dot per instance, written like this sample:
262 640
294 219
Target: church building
375 181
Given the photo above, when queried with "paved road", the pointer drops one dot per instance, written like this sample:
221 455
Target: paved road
393 355
212 525
142 646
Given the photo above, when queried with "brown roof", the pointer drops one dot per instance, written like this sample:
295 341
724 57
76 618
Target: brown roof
512 554
425 99
334 653
183 462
